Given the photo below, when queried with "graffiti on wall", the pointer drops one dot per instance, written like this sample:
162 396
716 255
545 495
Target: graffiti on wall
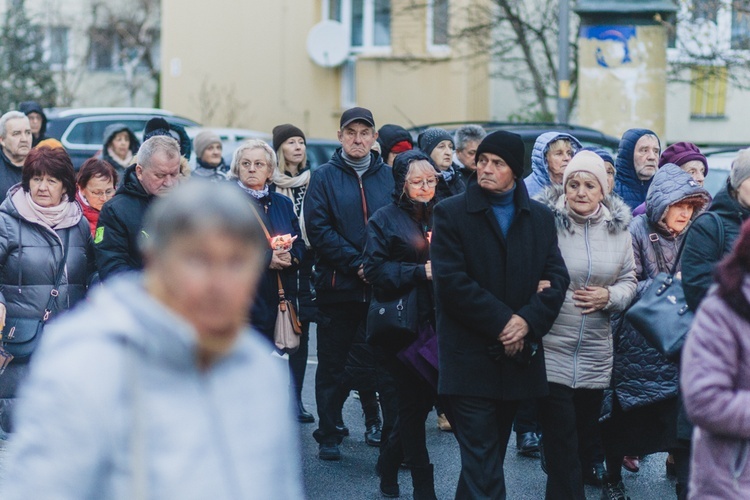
612 49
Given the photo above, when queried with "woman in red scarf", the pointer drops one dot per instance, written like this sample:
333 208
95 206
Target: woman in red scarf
96 184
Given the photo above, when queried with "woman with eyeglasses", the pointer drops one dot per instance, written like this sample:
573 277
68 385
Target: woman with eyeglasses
397 259
96 183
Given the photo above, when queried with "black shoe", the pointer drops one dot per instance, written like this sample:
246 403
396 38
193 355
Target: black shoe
527 444
341 429
303 416
329 451
612 491
595 475
373 435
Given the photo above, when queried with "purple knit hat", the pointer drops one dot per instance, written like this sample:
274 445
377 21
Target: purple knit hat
680 153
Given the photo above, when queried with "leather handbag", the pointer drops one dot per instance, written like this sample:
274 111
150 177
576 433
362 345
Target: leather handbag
20 336
662 315
392 324
286 334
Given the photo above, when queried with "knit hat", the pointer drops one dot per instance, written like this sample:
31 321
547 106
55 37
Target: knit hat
590 162
603 154
740 169
283 132
391 135
203 140
50 143
680 153
431 137
506 145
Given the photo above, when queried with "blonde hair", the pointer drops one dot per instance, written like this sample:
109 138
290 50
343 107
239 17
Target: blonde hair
234 170
281 167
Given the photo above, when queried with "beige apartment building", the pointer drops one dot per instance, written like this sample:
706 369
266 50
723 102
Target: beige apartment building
245 63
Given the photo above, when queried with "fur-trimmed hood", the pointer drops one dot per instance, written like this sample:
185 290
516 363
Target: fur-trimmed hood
614 212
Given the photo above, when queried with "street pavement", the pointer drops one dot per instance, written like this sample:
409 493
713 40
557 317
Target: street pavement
354 476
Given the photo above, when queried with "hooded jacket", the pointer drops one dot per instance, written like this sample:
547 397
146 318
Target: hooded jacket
703 245
28 107
715 386
627 184
109 133
119 376
398 245
120 226
539 178
30 254
338 205
598 252
642 375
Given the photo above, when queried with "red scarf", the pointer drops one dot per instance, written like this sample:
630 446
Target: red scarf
91 214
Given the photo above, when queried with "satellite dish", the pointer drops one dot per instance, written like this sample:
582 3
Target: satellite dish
328 44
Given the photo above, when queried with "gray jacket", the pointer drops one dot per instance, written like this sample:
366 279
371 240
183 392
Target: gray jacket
115 400
598 252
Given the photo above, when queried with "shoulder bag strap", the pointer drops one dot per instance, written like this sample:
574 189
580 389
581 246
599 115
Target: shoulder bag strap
260 219
55 292
661 262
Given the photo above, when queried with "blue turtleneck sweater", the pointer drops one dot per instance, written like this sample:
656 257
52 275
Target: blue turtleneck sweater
503 208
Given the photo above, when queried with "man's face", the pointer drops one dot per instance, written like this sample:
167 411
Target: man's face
357 139
209 279
17 141
162 175
646 157
494 174
467 155
35 121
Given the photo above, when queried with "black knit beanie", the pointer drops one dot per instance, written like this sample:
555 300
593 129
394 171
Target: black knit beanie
389 135
506 145
283 132
432 137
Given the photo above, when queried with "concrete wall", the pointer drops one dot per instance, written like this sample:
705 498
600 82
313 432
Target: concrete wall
249 68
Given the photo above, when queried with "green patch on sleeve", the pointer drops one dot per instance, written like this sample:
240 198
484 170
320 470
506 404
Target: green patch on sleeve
99 235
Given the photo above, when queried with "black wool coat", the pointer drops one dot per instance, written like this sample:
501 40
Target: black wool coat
481 279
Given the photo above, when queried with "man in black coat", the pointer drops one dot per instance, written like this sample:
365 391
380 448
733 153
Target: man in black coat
342 195
121 219
500 281
15 139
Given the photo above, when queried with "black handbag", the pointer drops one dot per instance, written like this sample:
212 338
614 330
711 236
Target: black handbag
662 315
20 336
393 323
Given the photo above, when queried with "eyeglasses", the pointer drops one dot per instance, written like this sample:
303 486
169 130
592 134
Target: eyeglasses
102 194
431 182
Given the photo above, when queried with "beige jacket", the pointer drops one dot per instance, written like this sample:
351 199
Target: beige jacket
598 251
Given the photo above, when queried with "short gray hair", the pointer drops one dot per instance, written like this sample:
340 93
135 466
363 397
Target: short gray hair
157 144
10 115
468 133
234 169
222 207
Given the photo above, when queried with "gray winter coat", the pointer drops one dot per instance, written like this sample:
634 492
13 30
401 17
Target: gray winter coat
30 254
539 179
115 394
641 374
598 252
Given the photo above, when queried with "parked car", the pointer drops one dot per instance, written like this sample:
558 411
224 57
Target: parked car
320 151
81 130
719 164
530 131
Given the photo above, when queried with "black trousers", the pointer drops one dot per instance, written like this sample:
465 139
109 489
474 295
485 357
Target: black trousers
527 417
338 325
570 419
415 398
482 427
298 362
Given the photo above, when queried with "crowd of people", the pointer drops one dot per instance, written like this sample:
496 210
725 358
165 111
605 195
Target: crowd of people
438 277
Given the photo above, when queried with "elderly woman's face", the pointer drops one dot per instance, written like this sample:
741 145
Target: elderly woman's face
98 190
45 190
442 155
254 169
678 216
420 185
583 195
212 154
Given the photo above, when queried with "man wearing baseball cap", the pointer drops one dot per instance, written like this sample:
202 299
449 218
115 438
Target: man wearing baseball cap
343 193
500 282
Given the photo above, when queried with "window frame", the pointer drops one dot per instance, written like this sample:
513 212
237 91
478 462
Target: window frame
431 45
48 44
368 25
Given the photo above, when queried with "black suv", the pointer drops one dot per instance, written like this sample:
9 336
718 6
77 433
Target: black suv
530 131
81 130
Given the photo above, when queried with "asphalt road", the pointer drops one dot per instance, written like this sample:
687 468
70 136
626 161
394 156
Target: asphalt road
354 476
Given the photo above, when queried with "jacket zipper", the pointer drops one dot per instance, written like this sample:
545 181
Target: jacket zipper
364 212
584 316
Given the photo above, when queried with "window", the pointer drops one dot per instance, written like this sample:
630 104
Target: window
740 26
708 92
368 21
706 10
103 47
437 23
57 46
